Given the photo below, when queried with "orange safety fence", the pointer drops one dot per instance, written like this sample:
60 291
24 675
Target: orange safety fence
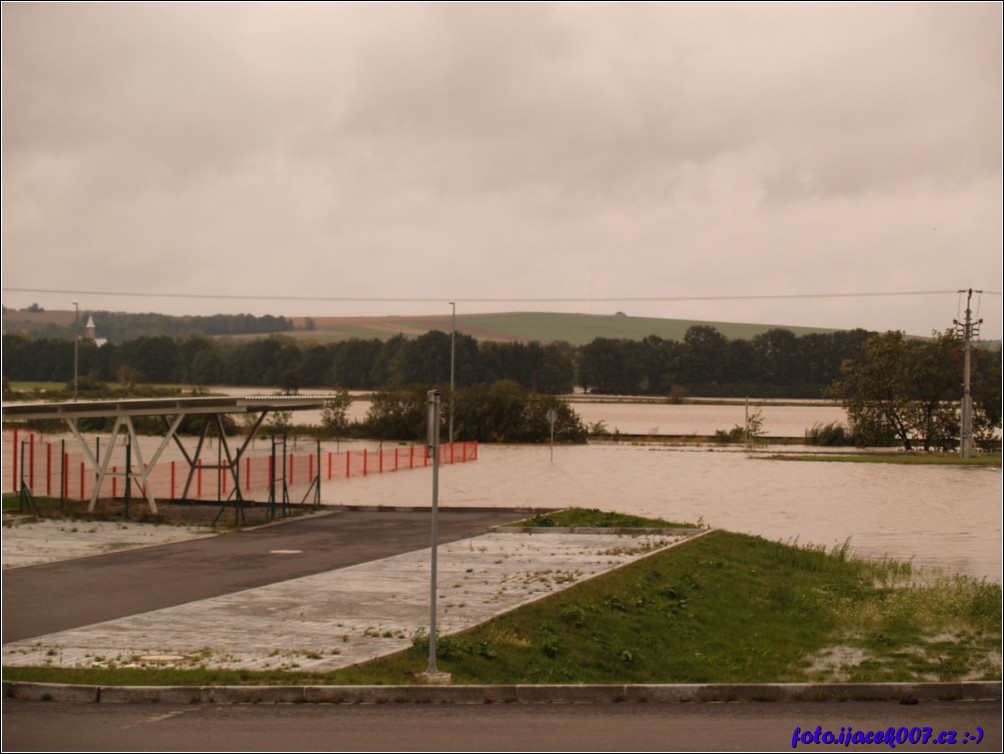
57 469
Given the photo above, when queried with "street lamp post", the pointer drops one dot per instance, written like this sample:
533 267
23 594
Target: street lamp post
433 417
76 348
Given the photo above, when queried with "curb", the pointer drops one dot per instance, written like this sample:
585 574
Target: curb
902 693
620 531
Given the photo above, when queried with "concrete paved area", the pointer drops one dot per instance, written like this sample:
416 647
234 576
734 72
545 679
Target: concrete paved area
33 542
68 594
331 618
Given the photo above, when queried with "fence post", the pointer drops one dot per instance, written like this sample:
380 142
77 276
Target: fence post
15 485
348 463
48 469
128 477
271 480
365 462
172 479
64 468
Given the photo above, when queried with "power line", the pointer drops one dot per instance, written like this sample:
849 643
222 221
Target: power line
489 300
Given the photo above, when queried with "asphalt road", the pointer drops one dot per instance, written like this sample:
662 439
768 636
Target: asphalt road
58 596
39 726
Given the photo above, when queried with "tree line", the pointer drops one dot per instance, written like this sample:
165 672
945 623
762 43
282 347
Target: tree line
776 363
119 327
896 390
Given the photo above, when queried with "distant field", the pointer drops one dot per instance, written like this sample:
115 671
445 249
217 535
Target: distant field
545 327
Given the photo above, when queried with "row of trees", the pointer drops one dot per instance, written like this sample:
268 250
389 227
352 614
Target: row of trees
776 363
286 363
119 327
896 390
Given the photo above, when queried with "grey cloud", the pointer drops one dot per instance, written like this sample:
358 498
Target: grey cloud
541 148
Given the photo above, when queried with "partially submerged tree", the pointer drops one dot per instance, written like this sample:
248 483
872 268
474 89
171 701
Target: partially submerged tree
335 414
904 391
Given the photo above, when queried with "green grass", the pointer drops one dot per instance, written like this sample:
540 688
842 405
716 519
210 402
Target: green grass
27 386
594 518
722 608
917 459
546 327
51 391
580 329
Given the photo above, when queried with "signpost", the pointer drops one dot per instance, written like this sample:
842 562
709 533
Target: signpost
552 417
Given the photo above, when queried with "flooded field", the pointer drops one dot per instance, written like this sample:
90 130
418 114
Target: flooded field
705 419
779 420
948 517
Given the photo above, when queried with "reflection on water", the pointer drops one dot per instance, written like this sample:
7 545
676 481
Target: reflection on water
948 517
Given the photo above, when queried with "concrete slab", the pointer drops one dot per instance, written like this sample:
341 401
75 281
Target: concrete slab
34 542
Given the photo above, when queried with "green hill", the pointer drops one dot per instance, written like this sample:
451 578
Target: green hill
546 327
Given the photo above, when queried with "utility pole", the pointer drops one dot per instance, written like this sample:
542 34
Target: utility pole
968 330
76 349
453 360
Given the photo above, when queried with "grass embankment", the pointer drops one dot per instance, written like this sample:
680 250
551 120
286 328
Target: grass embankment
729 608
916 459
593 518
722 608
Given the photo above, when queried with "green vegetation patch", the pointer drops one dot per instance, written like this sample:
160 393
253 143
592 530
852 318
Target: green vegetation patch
596 519
720 608
579 329
917 459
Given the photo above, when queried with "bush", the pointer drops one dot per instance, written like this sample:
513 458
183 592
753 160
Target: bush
833 434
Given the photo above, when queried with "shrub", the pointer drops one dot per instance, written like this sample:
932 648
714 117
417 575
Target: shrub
833 434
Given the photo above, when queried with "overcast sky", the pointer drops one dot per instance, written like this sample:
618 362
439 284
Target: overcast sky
598 153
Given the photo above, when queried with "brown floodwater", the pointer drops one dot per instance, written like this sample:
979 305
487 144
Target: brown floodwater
945 517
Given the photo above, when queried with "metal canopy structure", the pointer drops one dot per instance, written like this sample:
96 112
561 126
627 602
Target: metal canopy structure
172 411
